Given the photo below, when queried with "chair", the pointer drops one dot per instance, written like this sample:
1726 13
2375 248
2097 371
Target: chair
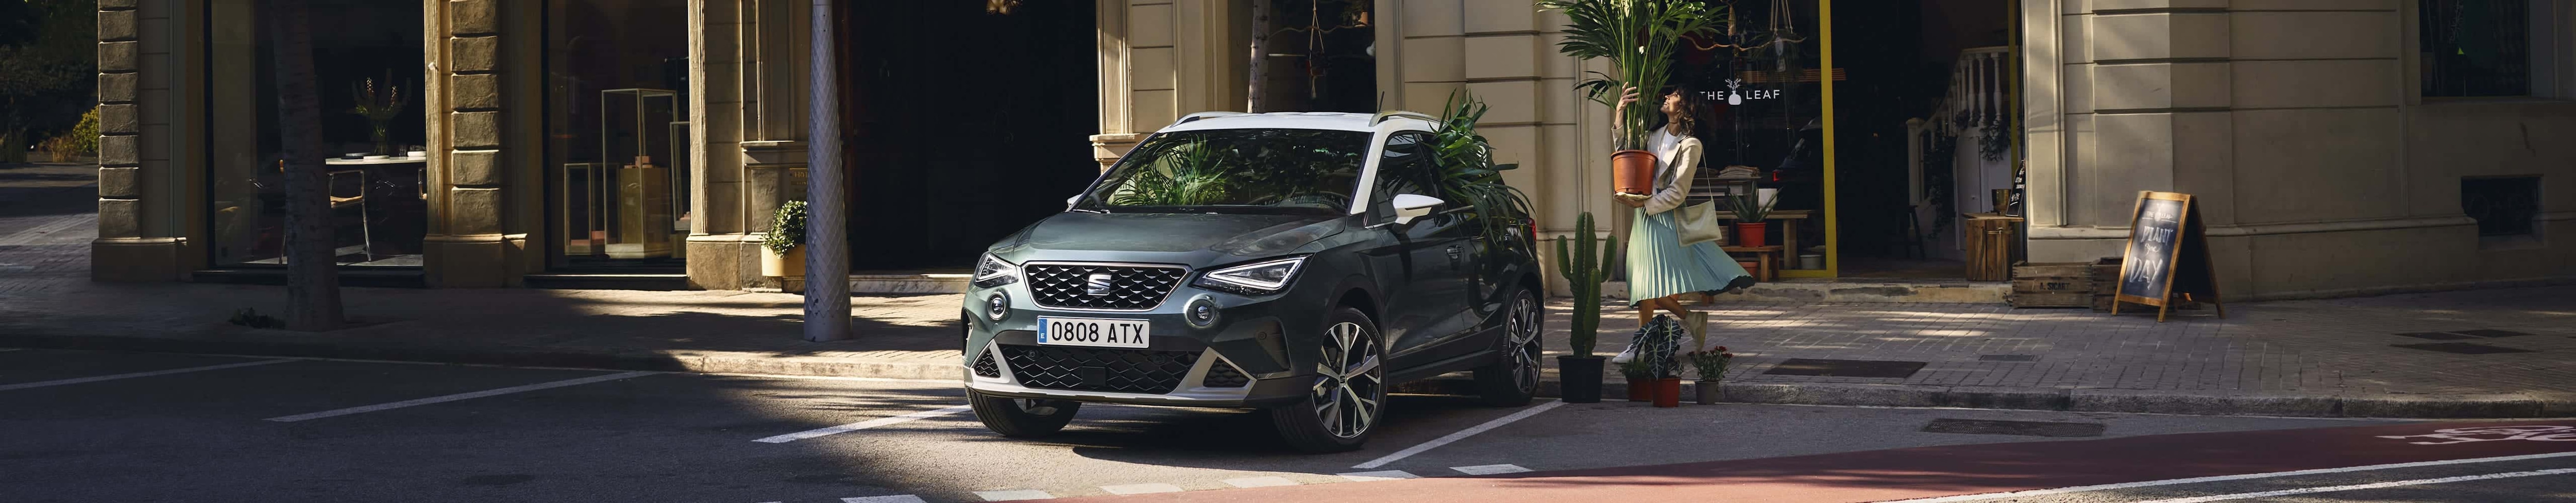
349 189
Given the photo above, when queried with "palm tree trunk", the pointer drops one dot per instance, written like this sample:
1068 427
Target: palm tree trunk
312 279
1262 25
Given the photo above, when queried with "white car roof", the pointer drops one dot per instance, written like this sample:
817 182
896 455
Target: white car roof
1337 121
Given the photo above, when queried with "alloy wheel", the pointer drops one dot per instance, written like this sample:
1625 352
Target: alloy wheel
1351 388
1523 328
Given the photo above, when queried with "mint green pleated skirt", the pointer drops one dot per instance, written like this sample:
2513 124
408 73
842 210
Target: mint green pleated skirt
1659 266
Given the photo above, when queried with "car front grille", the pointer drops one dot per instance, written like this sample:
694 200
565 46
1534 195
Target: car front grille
1131 287
1099 369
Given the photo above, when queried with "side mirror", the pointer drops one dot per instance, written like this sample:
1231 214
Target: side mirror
1412 206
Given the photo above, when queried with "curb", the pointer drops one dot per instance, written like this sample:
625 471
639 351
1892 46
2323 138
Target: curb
2206 403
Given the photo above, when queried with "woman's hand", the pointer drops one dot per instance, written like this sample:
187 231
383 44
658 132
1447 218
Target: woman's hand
1632 200
1627 95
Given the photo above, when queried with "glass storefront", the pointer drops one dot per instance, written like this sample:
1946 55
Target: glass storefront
617 130
366 63
1762 120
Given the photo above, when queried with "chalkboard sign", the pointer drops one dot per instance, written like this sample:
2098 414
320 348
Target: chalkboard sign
2167 256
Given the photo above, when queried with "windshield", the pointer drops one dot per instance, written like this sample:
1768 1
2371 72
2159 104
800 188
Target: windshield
1235 170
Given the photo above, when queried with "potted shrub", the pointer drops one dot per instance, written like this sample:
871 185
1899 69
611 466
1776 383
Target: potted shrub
782 253
1750 212
1639 38
1712 367
1579 374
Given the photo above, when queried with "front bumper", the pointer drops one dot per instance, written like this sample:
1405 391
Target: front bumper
1246 343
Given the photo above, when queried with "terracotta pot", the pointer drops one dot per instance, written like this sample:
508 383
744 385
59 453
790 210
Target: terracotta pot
788 265
1707 391
1668 392
1633 171
1641 389
1750 234
1580 378
1750 266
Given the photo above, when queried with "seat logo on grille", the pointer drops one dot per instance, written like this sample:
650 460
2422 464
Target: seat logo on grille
1096 284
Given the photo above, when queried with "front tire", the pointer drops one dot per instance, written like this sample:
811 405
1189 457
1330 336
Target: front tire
1348 396
1022 417
1512 380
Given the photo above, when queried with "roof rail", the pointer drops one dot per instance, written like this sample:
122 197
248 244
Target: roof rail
1383 116
1202 115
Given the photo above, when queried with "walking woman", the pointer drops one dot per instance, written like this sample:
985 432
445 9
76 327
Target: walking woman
1660 269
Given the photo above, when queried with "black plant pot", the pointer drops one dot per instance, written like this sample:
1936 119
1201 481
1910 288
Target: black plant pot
1579 378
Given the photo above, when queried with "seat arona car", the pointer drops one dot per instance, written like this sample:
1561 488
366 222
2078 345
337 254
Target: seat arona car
1301 263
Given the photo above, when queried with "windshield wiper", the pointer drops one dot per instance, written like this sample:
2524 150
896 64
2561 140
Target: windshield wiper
1086 210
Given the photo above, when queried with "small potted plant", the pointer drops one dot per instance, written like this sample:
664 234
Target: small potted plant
1641 379
1585 269
380 107
783 252
1711 364
1750 212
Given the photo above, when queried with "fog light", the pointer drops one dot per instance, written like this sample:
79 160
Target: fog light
998 306
1200 311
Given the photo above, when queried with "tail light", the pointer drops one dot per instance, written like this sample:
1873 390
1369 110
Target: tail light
1531 225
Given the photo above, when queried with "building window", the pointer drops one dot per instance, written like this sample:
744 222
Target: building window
2484 47
2507 208
366 54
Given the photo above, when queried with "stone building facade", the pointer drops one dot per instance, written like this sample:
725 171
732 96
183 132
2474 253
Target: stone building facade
2322 165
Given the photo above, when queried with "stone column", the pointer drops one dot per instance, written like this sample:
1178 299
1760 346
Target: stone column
148 161
1160 59
747 116
483 166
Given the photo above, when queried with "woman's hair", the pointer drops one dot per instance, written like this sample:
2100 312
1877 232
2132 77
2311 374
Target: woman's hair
1691 105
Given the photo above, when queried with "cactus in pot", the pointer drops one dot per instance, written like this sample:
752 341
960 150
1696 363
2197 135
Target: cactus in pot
1584 267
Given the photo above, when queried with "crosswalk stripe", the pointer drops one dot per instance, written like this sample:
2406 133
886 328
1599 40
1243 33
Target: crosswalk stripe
899 498
1260 482
459 396
1014 495
1379 475
78 380
872 423
1127 489
1489 469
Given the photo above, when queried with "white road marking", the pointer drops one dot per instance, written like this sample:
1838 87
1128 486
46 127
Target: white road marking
1489 469
1460 435
1379 475
1014 495
2357 487
1127 489
899 498
872 423
833 378
2223 478
459 396
59 382
1260 482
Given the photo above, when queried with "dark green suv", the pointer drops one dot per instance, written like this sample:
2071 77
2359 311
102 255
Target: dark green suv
1297 262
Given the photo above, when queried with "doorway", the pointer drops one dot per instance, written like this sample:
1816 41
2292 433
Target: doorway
1928 132
961 124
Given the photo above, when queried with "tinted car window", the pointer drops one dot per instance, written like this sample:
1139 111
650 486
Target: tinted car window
1235 170
1407 167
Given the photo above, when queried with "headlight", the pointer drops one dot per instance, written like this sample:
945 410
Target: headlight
992 272
1255 278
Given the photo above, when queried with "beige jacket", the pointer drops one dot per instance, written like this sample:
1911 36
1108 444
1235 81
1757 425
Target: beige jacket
1674 179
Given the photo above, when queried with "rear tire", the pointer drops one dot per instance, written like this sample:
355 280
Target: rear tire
1348 396
1022 417
1512 379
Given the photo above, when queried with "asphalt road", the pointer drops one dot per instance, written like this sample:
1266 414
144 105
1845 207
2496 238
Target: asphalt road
98 426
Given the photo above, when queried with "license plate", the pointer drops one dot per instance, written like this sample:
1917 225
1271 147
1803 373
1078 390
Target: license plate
1092 332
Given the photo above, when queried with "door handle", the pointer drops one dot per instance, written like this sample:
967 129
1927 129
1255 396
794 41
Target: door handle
1454 253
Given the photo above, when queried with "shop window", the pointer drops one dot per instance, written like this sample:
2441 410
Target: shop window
2487 47
2507 208
367 70
617 125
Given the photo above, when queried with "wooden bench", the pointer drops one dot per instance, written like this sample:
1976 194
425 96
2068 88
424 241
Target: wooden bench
1762 254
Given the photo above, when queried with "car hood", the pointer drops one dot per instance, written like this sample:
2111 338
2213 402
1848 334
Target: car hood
1066 235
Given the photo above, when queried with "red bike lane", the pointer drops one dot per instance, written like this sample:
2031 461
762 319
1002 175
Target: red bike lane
1926 472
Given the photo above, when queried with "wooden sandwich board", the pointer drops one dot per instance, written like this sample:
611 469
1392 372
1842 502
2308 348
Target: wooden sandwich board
2167 256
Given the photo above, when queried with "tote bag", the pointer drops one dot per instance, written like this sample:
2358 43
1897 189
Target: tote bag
1698 223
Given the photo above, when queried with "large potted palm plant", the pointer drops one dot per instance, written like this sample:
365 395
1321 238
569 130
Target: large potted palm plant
1639 38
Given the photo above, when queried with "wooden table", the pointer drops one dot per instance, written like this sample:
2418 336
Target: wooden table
1788 233
1761 253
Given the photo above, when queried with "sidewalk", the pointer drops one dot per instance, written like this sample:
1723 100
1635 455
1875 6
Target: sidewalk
2292 358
